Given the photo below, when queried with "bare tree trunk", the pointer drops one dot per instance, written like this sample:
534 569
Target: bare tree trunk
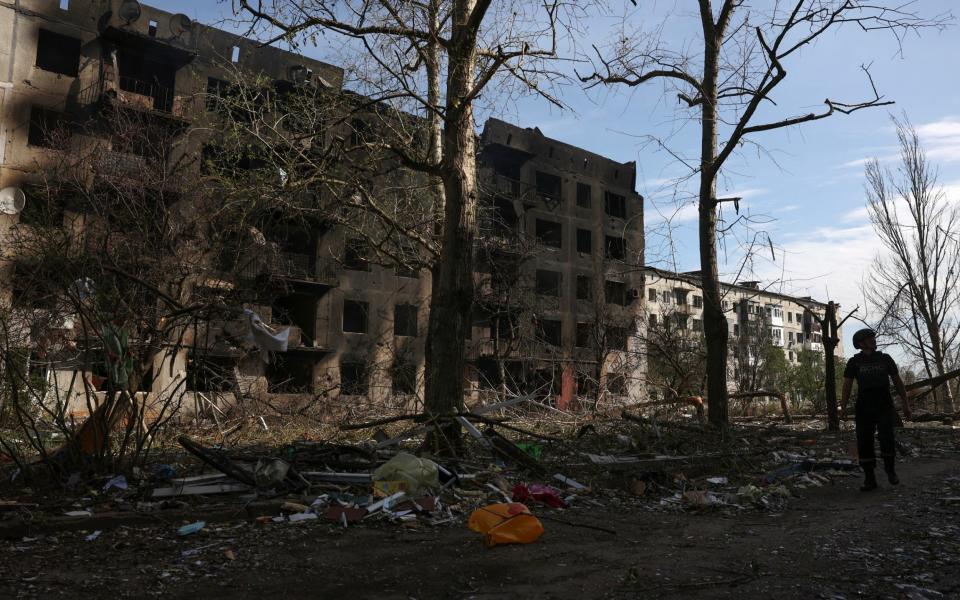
714 322
830 341
452 300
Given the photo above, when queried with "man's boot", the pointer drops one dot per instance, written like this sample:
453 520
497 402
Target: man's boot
869 480
891 471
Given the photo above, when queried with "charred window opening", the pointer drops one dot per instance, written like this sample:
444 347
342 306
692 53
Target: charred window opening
584 241
584 195
615 248
549 233
359 132
47 127
355 316
290 374
549 186
506 327
584 287
217 91
145 76
405 320
403 377
210 374
355 255
353 379
584 337
548 283
550 331
488 373
617 338
615 292
504 219
299 311
58 53
615 205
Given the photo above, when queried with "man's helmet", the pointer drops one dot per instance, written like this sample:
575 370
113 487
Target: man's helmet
862 335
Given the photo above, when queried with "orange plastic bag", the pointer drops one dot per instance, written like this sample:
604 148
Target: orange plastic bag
506 524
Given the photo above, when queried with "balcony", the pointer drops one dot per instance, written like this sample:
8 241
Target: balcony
134 94
291 266
494 183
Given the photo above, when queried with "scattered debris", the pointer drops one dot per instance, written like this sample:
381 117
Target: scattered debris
506 524
191 528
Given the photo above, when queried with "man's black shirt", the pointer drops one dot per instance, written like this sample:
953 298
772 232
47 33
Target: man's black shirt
872 373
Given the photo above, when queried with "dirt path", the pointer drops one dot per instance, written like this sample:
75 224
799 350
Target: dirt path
833 542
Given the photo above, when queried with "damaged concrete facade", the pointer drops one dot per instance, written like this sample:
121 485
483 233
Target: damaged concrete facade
357 328
559 298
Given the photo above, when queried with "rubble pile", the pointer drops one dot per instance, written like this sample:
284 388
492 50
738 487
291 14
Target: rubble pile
529 469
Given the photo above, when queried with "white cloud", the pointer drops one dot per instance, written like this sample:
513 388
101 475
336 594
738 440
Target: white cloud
856 215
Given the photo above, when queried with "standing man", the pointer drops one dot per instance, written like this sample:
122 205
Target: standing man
874 410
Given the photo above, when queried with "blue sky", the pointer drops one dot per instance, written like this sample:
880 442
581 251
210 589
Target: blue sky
806 189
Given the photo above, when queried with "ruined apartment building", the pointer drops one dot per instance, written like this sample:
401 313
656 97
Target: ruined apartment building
786 321
358 328
562 235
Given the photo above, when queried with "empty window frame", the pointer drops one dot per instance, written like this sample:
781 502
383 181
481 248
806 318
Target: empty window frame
355 255
584 241
652 320
46 127
550 331
584 195
403 378
652 295
405 320
217 90
615 248
235 54
584 287
698 301
681 296
584 335
615 292
615 205
549 233
617 338
355 316
548 283
152 28
58 53
353 378
549 185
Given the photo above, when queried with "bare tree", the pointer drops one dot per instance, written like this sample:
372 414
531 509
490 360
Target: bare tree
914 283
115 275
436 59
725 79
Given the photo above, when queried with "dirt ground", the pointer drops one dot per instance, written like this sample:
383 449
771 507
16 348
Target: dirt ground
830 542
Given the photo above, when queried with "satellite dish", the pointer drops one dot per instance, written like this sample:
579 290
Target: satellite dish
12 200
180 24
129 11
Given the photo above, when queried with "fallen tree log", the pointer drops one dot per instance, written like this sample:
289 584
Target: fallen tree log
766 394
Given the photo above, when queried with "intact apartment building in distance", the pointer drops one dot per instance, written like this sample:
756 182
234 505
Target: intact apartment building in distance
562 225
751 311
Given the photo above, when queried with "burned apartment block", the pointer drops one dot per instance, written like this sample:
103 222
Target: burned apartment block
559 279
756 318
133 89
